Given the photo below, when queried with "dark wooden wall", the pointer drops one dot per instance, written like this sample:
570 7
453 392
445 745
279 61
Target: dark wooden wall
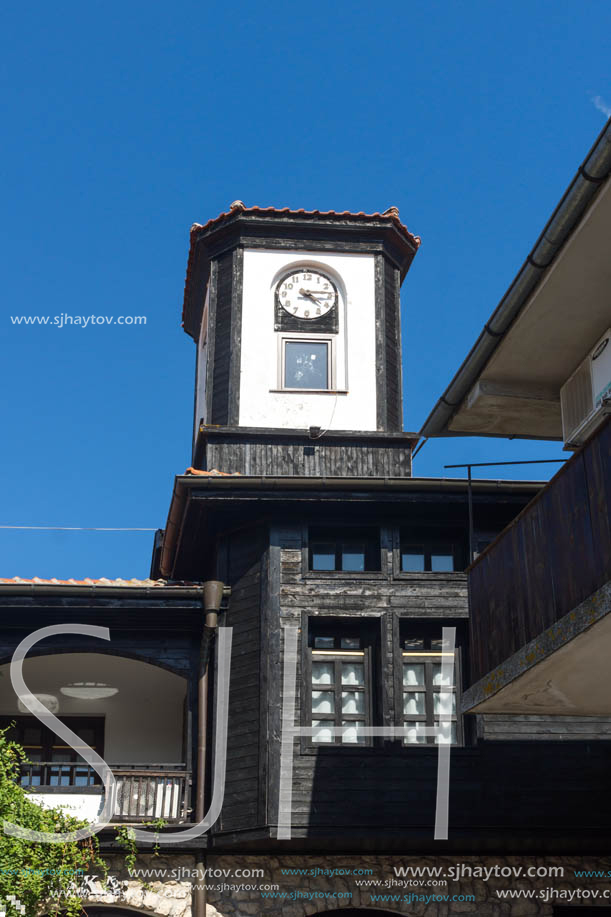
138 628
552 557
252 455
240 568
221 354
392 332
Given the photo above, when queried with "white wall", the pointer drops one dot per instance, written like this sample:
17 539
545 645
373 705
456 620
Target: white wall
143 722
260 406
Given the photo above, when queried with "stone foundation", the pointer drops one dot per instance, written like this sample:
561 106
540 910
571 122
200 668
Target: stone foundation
237 889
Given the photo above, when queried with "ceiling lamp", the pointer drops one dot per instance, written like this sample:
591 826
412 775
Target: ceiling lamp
89 690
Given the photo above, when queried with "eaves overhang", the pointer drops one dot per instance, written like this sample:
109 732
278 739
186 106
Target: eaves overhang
193 487
552 314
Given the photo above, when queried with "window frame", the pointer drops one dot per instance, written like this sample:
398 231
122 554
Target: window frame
367 631
427 631
430 545
374 551
296 337
51 742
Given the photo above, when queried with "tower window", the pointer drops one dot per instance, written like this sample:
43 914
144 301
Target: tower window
306 364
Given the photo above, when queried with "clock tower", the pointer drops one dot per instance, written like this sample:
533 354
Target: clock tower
296 319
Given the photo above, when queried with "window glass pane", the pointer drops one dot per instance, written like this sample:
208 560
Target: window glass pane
87 734
324 643
32 735
62 756
353 673
414 703
350 643
82 777
59 776
447 735
323 702
414 643
306 364
353 557
442 562
444 702
323 731
354 733
413 673
322 673
414 734
323 556
412 559
445 680
353 702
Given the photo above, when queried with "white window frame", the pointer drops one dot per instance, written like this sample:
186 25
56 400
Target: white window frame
328 339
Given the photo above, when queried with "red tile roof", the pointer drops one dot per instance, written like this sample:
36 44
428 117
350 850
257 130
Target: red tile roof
391 214
141 583
214 473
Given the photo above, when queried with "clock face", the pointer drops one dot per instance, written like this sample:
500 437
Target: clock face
306 293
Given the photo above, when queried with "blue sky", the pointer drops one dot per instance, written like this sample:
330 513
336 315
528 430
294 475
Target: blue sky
125 123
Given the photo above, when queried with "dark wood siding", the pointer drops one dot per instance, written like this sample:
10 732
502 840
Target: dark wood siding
241 557
252 456
222 340
392 333
498 789
549 560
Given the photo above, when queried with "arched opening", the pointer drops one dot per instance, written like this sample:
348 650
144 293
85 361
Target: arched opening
132 713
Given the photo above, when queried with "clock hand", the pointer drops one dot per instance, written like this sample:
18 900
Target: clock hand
309 295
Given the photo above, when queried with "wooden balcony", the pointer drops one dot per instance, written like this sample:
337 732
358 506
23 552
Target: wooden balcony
144 792
544 566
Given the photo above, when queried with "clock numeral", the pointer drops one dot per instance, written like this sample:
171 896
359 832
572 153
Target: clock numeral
306 314
326 286
318 311
295 310
295 279
318 278
290 286
307 276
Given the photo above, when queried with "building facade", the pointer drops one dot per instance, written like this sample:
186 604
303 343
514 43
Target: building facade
325 703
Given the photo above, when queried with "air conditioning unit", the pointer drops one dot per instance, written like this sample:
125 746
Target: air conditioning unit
585 398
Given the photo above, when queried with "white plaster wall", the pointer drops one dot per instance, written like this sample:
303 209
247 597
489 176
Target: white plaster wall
86 806
143 722
260 405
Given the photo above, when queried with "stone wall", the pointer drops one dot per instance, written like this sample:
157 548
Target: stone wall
237 885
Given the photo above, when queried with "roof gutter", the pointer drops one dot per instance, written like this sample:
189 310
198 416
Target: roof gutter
159 592
594 170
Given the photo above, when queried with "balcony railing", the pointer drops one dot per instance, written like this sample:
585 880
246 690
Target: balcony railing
144 792
552 557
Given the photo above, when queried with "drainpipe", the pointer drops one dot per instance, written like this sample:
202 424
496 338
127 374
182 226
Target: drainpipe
213 594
